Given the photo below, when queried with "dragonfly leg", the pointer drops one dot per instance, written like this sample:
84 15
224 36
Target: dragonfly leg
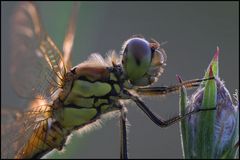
158 120
123 128
154 91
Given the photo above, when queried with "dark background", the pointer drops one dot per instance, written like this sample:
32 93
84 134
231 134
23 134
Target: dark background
193 30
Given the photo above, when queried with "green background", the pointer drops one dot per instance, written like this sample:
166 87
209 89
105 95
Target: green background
192 29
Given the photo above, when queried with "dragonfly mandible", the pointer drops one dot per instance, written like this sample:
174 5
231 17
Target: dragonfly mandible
66 98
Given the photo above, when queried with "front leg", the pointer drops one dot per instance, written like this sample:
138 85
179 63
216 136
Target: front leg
155 91
158 120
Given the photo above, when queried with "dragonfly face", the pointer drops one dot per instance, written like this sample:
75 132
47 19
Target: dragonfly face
142 61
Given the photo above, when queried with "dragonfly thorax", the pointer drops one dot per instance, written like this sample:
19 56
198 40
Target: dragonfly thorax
92 91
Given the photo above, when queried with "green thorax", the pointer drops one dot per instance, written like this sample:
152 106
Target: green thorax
87 100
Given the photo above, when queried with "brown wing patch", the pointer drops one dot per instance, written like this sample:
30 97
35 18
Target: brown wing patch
93 73
95 68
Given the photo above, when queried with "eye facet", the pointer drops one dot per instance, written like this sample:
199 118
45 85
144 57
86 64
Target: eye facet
136 58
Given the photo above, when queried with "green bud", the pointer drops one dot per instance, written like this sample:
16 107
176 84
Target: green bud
210 134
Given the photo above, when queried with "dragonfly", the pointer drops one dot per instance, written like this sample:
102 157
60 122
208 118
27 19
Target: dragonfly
65 98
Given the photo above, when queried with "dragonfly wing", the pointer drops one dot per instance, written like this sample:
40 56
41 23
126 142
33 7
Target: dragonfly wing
37 70
18 128
9 125
69 37
35 59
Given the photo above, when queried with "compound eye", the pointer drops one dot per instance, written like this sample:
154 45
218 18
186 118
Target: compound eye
136 58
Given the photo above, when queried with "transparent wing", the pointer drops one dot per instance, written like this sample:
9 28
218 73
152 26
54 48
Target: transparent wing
18 127
10 123
37 71
37 67
69 37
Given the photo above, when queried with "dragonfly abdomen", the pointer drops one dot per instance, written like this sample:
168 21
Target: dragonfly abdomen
43 139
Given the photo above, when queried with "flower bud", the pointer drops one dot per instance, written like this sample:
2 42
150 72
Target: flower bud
212 133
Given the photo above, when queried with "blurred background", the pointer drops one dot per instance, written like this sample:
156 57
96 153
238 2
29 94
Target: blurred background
193 30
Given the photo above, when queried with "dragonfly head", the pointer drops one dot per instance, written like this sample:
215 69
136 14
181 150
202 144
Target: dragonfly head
142 61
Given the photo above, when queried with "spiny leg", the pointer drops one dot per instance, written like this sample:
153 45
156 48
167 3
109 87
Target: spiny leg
158 120
123 128
154 91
